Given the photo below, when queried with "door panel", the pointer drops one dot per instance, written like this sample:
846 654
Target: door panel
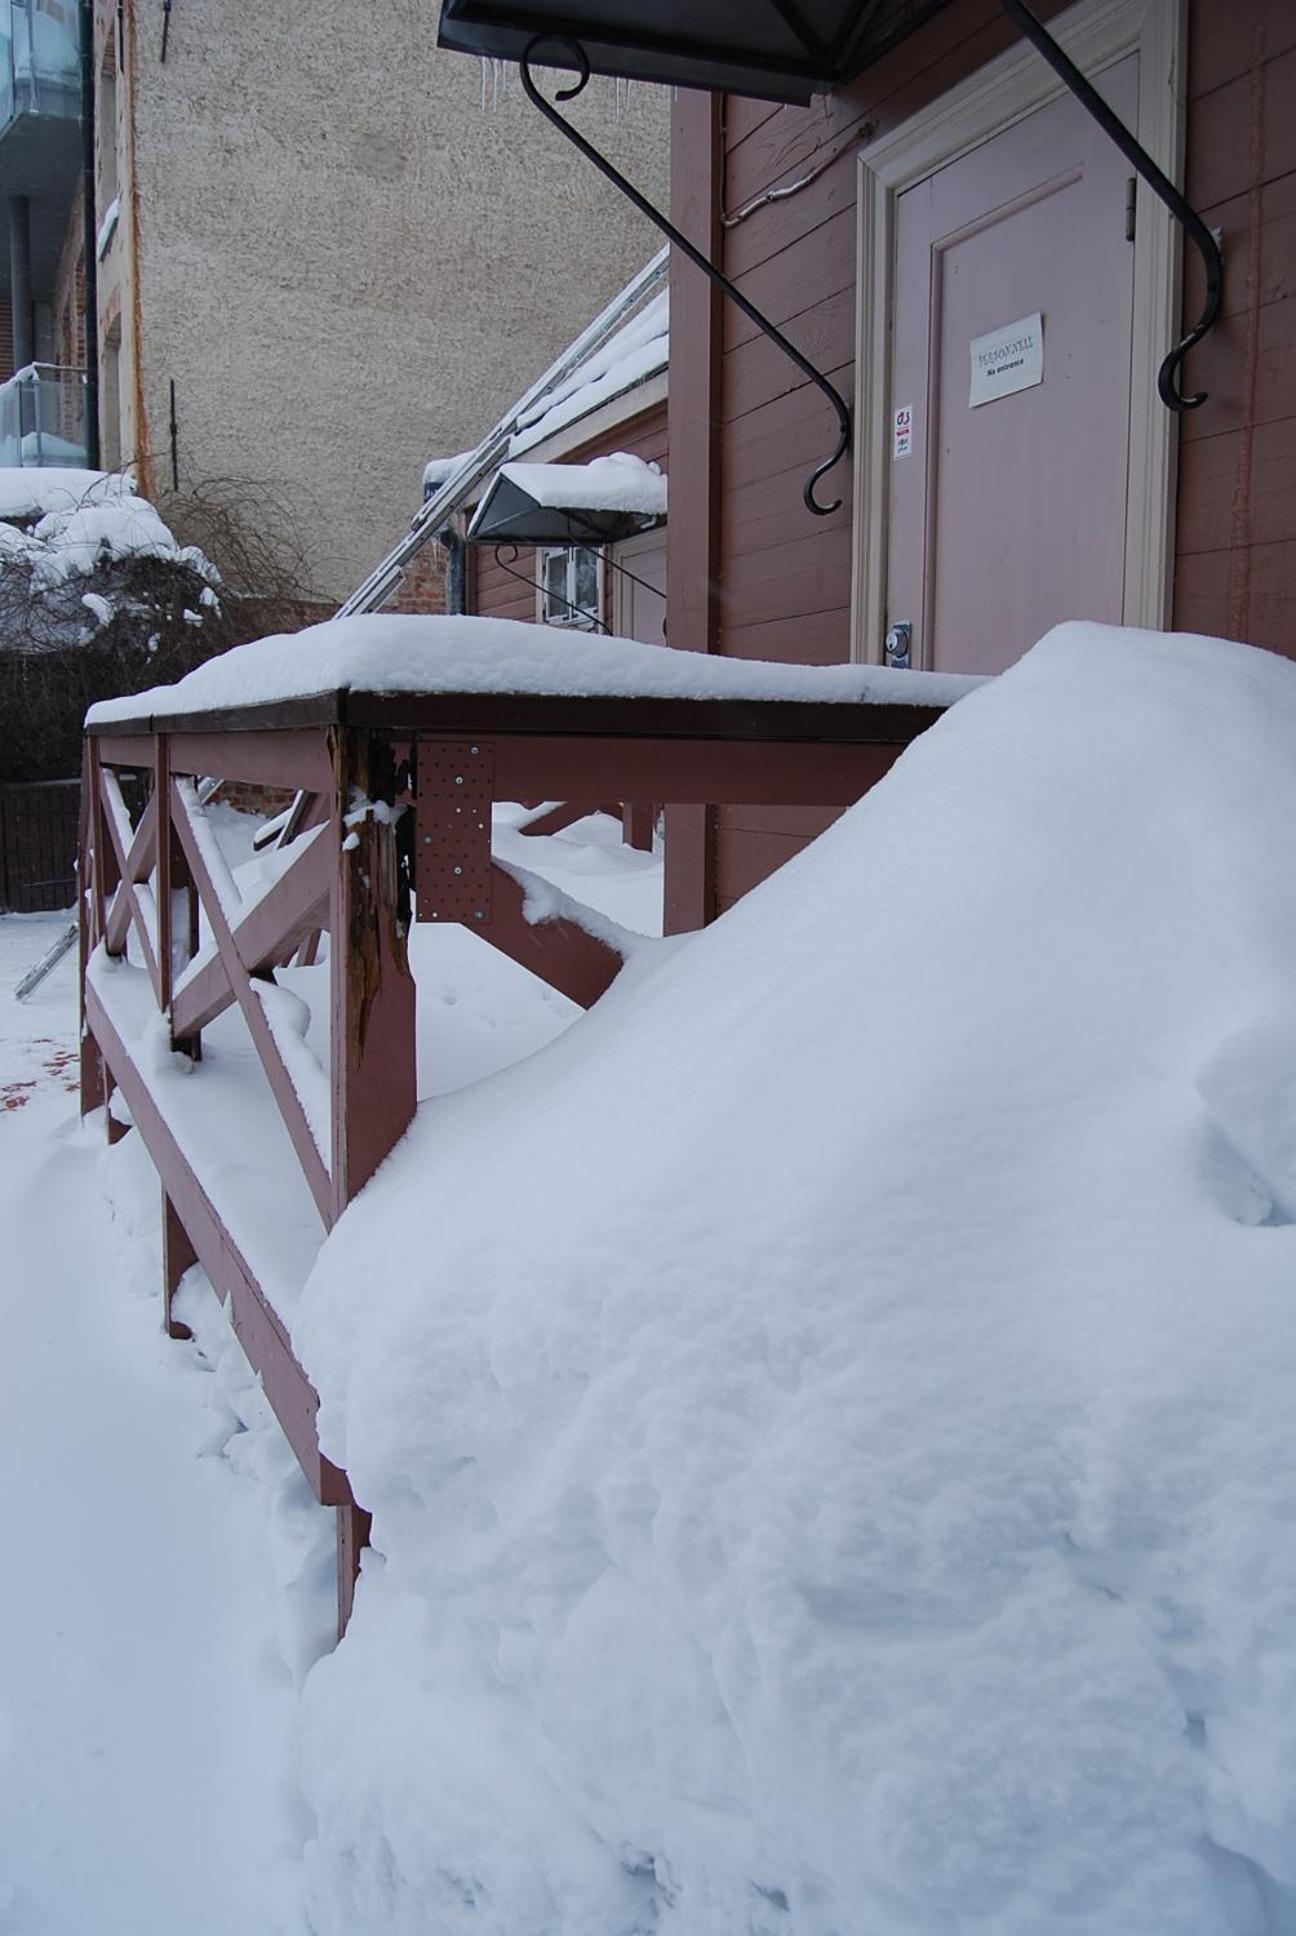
1008 517
639 602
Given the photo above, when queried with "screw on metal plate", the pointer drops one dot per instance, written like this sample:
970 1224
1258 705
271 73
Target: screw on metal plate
455 789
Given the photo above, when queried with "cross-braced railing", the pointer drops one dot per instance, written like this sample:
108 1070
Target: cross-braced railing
391 821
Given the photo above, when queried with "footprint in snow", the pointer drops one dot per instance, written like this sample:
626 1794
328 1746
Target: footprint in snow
1249 1088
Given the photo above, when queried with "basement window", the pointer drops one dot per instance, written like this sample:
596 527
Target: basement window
571 586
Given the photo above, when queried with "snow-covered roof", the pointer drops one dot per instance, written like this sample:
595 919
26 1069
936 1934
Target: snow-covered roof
639 350
437 469
828 1418
620 482
392 652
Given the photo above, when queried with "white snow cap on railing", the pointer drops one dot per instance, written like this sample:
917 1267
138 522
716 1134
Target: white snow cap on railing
402 653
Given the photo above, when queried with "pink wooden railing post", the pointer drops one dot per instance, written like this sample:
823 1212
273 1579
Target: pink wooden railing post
374 1049
97 878
373 1037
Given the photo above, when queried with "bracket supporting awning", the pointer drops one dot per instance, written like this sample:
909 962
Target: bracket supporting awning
575 56
783 50
1079 85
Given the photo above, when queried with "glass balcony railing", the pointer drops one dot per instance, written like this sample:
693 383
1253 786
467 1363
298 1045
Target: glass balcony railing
42 417
40 59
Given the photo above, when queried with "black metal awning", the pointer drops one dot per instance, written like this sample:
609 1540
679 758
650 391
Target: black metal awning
510 514
783 50
777 50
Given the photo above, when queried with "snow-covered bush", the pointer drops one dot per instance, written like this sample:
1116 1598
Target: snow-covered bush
99 597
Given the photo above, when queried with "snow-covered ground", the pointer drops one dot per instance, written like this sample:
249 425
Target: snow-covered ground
827 1415
147 1776
171 1580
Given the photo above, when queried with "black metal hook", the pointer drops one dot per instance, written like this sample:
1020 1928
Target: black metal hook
575 56
1160 184
507 565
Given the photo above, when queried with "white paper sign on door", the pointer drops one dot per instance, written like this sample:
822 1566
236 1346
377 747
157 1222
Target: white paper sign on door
1008 359
902 431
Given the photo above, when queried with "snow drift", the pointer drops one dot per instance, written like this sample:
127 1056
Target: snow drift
828 1418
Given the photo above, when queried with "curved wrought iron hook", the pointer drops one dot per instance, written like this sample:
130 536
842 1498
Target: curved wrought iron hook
1209 249
575 56
1160 184
507 565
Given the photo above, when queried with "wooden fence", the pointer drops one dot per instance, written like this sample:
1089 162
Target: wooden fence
38 845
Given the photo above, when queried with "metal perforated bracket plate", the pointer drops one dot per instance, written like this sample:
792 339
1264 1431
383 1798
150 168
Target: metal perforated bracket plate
452 868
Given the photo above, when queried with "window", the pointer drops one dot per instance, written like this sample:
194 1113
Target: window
571 586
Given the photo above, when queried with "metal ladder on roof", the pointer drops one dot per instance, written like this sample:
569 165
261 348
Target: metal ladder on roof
494 447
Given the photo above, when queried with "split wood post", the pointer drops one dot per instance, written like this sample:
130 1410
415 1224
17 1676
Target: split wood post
174 876
163 850
638 822
373 1011
97 877
178 1256
693 414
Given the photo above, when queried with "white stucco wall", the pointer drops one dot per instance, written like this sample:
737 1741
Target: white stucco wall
344 263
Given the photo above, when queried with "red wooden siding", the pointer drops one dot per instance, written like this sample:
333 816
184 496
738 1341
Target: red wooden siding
1236 528
492 592
782 579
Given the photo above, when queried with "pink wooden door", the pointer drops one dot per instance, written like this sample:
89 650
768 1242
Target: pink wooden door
640 601
1008 515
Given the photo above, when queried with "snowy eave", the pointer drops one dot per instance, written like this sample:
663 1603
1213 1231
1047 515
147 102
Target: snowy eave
616 483
323 672
639 351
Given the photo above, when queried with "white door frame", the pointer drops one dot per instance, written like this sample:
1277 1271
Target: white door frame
1096 34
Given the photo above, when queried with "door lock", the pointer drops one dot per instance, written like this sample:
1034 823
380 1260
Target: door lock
898 643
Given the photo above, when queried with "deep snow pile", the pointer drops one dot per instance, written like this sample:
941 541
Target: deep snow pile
828 1418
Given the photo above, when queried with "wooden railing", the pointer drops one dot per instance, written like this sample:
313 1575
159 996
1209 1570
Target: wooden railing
392 823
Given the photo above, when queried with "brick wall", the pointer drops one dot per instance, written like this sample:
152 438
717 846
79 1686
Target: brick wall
424 586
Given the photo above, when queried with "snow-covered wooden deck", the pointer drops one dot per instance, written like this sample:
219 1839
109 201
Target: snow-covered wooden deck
392 824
